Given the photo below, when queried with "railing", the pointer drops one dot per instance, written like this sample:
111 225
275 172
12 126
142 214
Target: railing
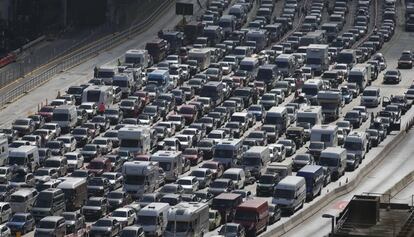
79 56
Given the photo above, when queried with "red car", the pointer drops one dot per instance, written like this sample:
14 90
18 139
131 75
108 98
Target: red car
99 165
189 112
46 112
194 155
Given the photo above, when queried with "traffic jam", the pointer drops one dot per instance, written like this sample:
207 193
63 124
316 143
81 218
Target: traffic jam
223 126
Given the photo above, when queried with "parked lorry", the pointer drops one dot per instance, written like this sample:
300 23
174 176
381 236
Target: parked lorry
172 162
253 215
66 117
153 218
290 193
314 176
137 58
135 139
328 134
331 103
255 159
228 152
317 58
258 36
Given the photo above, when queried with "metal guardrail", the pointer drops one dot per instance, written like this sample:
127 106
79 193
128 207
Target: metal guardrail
79 56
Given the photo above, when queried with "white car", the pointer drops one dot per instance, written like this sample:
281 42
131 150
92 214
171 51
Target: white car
126 216
190 184
69 141
5 231
53 127
75 160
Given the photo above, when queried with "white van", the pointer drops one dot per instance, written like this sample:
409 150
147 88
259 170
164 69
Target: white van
4 149
250 64
310 114
290 193
237 175
153 218
23 199
171 162
278 116
357 143
334 158
25 156
286 64
255 159
106 73
66 116
98 95
125 81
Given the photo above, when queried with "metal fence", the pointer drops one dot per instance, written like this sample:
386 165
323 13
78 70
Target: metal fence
77 57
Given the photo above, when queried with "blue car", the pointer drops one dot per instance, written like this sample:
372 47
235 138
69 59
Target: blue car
257 110
21 222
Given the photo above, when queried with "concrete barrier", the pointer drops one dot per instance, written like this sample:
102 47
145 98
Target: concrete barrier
321 202
394 190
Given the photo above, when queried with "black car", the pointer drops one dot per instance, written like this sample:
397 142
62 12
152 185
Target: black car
98 186
352 162
5 191
95 208
266 184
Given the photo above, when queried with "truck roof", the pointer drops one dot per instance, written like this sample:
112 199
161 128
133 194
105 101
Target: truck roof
227 196
185 210
289 181
334 150
310 169
310 109
253 204
153 209
324 128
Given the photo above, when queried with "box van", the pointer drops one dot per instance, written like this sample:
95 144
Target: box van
334 158
290 193
53 226
188 219
253 215
227 23
327 134
98 95
269 74
314 178
4 149
237 175
49 202
25 156
283 169
23 199
75 191
125 81
278 116
311 88
66 116
153 218
309 114
250 64
286 64
357 143
226 204
171 162
255 159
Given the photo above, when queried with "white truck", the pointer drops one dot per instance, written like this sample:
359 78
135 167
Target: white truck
135 139
98 95
140 177
334 158
125 81
317 58
327 134
361 75
331 103
311 89
153 218
172 162
138 58
65 116
188 219
202 56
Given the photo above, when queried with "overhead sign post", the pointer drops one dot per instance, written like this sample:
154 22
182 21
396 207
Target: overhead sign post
184 9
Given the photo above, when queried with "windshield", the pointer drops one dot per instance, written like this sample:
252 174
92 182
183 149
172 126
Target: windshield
134 179
284 193
353 146
44 200
177 226
219 184
265 179
252 161
47 224
310 90
246 215
103 223
147 220
184 182
13 160
329 162
96 165
17 218
223 153
120 214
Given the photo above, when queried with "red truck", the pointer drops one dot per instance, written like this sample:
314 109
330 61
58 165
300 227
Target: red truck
253 215
189 112
99 166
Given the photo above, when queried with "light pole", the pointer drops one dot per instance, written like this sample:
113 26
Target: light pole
333 222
